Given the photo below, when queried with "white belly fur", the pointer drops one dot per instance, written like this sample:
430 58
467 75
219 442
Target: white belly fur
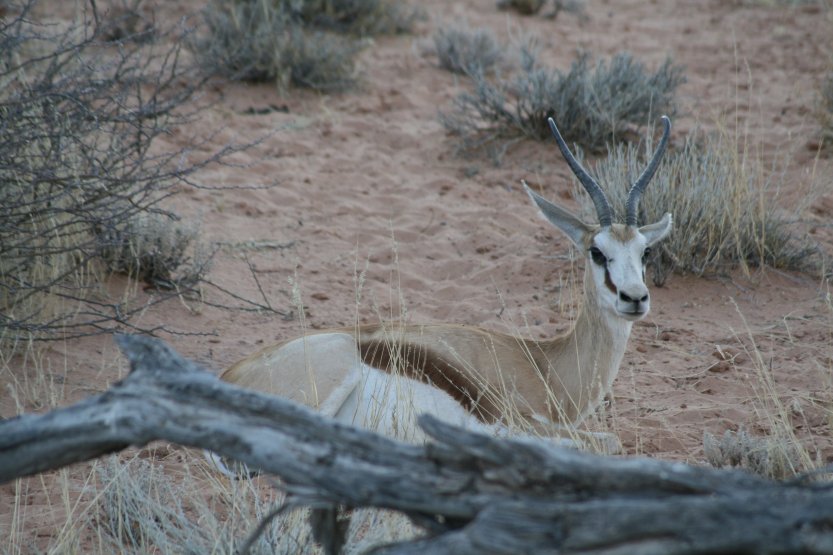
325 372
389 404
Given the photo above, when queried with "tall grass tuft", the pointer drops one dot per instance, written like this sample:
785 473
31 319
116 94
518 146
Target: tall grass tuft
594 104
726 212
824 109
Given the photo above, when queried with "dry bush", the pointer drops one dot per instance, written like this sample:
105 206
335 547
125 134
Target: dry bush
726 212
309 43
153 248
523 7
79 114
773 457
354 17
467 51
575 7
532 7
593 106
259 41
126 20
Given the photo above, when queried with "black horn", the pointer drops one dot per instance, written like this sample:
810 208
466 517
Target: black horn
590 185
639 186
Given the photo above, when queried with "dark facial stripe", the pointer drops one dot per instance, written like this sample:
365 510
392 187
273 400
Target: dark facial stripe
609 283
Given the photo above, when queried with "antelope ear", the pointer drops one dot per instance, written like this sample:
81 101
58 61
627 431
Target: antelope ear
658 231
563 219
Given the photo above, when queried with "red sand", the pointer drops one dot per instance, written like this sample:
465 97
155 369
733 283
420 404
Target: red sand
367 183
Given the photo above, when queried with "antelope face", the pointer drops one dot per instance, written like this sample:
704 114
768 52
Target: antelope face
616 253
616 258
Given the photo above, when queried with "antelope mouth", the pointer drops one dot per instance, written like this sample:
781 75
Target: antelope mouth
632 314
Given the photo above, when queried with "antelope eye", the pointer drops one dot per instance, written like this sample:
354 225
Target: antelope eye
597 256
646 254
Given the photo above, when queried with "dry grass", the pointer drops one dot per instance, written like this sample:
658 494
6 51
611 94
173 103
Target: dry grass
168 500
161 499
727 211
824 109
790 425
138 504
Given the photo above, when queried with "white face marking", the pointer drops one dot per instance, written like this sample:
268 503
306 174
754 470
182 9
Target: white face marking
616 259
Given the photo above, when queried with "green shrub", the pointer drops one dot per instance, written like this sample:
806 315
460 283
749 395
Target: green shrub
593 106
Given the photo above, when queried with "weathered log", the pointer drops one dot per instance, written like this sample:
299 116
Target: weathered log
474 493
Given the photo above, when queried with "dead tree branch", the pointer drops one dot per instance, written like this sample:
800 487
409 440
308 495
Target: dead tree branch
473 493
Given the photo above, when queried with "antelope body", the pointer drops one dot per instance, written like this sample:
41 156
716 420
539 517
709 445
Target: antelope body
381 377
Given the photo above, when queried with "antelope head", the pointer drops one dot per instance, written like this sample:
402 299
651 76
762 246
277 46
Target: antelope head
616 252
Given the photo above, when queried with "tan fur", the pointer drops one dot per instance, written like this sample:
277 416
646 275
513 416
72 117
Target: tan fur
561 379
375 376
622 233
497 378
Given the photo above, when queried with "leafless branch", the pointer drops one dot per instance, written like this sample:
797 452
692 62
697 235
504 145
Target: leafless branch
474 493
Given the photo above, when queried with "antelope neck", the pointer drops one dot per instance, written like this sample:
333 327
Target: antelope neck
592 350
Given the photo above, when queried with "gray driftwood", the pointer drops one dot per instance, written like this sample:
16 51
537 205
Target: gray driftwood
472 493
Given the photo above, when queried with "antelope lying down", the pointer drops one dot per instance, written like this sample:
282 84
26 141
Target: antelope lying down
381 377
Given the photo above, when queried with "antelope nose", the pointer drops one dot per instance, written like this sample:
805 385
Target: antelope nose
633 299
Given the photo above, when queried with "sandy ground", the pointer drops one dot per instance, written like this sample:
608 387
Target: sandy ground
370 198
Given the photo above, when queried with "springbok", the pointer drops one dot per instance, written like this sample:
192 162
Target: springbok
382 376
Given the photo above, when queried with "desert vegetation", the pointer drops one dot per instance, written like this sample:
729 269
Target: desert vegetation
733 213
824 108
595 103
115 129
82 187
464 50
309 44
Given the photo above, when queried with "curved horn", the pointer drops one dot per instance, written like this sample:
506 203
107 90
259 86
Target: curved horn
639 185
590 185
